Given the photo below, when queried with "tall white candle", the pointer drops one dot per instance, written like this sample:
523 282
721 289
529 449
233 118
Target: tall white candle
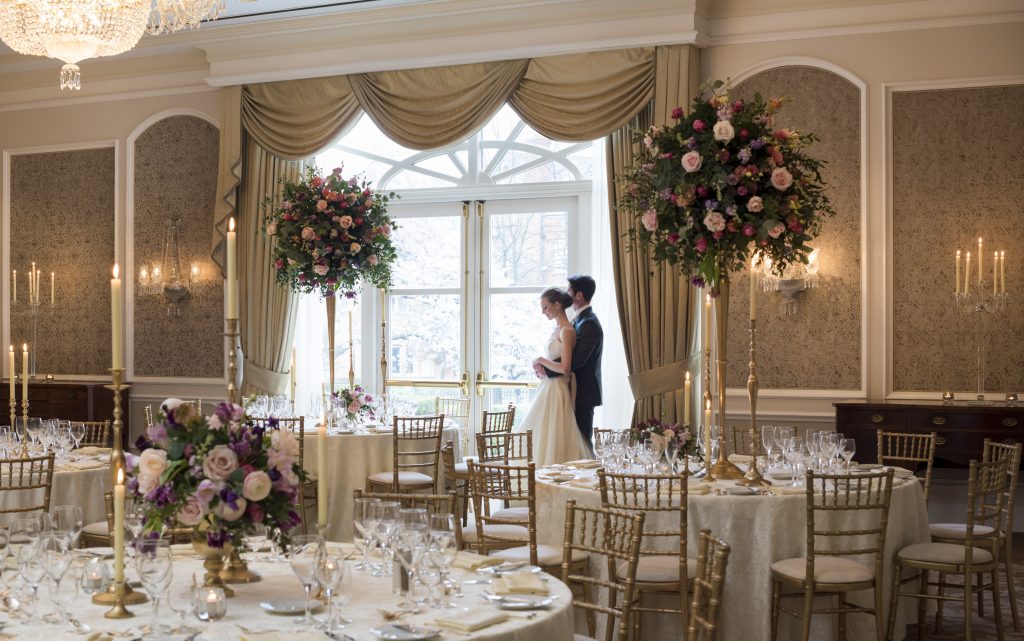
14 292
1002 271
686 400
995 273
291 375
981 260
321 473
24 373
967 275
958 271
707 322
232 261
117 358
707 431
11 373
119 527
753 290
32 284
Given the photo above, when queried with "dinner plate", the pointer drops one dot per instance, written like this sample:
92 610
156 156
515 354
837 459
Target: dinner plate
509 568
520 601
290 606
900 472
405 632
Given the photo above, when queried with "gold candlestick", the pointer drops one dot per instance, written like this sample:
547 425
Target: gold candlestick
14 413
722 468
753 475
383 348
24 426
119 594
706 403
351 359
232 335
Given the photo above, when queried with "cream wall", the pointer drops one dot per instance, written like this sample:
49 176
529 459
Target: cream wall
963 56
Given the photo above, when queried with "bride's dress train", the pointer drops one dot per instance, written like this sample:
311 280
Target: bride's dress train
556 439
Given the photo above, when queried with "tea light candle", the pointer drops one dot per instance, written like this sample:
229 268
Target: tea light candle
210 603
95 576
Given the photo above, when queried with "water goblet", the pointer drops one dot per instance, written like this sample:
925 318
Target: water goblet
362 537
302 556
31 566
153 565
78 433
847 448
330 574
67 520
387 520
442 537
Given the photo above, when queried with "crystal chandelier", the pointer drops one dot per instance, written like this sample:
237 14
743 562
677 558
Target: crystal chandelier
74 30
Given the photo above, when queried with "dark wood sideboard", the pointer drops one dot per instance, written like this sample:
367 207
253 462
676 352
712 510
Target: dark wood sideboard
67 400
961 429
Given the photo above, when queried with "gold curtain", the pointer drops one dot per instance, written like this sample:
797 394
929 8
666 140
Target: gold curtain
267 318
656 307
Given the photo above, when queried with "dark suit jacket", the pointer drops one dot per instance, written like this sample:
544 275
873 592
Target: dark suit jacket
586 358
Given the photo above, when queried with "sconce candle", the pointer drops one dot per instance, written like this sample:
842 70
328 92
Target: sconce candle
981 260
967 275
995 273
1002 271
958 271
232 260
51 289
117 359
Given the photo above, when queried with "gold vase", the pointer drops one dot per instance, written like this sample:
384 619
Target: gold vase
722 468
237 571
213 562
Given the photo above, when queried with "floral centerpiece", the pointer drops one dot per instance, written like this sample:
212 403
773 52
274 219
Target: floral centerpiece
662 435
354 403
722 183
220 473
332 235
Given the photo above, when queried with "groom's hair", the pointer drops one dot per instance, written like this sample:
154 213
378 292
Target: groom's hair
584 285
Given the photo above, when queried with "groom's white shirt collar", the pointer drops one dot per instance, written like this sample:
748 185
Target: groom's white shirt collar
580 311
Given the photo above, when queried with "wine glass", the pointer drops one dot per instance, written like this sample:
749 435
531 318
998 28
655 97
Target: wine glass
386 518
302 556
768 442
67 520
153 564
442 537
61 587
361 534
848 448
78 433
330 573
24 543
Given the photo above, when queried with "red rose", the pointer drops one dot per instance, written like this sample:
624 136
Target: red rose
701 245
718 234
748 230
677 113
744 134
359 221
673 239
698 125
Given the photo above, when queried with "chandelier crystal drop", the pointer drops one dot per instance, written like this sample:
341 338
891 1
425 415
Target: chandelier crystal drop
75 30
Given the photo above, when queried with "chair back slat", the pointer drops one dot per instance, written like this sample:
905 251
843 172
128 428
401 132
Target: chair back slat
986 498
296 425
452 406
741 439
97 433
1011 451
712 562
902 447
513 448
23 477
498 422
614 536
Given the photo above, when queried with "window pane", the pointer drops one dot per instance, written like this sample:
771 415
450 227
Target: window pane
518 334
528 249
521 397
425 341
428 252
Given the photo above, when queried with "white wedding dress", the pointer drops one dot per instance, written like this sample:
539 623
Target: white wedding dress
556 439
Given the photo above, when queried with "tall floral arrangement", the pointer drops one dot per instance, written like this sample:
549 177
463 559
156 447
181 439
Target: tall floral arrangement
220 473
332 234
353 403
722 183
662 434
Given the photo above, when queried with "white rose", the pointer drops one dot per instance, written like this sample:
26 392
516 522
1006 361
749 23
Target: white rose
755 204
256 486
650 220
714 221
724 131
152 463
692 161
781 179
224 511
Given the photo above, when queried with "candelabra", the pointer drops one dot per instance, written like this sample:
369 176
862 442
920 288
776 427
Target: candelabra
384 351
980 302
24 424
232 335
32 309
753 475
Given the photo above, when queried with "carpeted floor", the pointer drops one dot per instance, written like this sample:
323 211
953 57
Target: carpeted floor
984 627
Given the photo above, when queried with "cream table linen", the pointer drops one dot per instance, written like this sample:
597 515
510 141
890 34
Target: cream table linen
83 487
350 459
366 595
760 530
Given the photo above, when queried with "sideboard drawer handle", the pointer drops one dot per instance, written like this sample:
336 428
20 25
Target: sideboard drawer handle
939 440
938 420
877 418
1010 422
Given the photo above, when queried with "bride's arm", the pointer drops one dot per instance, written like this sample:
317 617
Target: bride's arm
564 364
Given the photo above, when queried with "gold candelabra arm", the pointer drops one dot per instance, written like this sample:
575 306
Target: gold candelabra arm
722 468
383 347
232 336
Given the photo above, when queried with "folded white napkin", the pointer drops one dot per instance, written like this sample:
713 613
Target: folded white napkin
698 488
587 483
92 450
84 464
559 477
786 489
471 620
518 583
472 561
585 464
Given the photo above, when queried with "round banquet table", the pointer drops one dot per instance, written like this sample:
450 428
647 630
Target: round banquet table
350 459
760 529
81 480
365 593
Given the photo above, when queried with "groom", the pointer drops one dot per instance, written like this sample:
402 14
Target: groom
586 355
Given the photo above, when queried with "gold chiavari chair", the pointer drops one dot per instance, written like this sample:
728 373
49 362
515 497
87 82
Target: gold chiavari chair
432 503
456 478
712 562
914 449
828 569
97 433
416 445
661 569
147 415
95 535
611 535
740 438
23 477
511 448
297 426
455 407
986 497
498 422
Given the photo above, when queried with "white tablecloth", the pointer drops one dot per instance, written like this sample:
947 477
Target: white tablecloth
350 459
366 594
70 487
760 530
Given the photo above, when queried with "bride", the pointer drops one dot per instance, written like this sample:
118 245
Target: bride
556 439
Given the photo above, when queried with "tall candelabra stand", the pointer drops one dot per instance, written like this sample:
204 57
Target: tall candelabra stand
706 403
753 476
980 302
24 424
232 335
30 308
384 351
723 468
120 594
13 404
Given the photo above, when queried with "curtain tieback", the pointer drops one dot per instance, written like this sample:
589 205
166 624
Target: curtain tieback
268 380
658 380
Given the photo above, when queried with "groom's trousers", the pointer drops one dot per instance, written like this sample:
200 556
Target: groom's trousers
585 421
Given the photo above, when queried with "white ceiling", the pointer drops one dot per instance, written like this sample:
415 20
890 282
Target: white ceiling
249 10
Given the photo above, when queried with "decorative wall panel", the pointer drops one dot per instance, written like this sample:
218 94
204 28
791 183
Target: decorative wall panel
820 346
62 217
176 178
957 158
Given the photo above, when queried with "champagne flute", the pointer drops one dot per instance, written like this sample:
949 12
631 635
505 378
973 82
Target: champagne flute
302 556
442 537
78 433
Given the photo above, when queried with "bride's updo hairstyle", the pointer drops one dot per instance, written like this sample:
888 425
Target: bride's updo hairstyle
557 295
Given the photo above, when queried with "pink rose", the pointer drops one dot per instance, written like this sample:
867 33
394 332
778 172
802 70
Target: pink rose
226 512
714 221
386 230
650 220
317 182
272 228
321 205
673 239
748 230
220 462
701 245
373 260
691 161
724 131
776 230
308 233
256 486
354 407
698 125
755 204
286 205
345 221
190 514
320 269
781 179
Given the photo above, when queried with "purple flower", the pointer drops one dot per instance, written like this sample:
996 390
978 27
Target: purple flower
697 281
157 433
710 204
274 474
142 443
241 448
744 155
756 143
228 496
216 538
162 495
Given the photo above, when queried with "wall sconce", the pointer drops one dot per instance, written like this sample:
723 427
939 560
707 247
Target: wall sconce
793 281
167 278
